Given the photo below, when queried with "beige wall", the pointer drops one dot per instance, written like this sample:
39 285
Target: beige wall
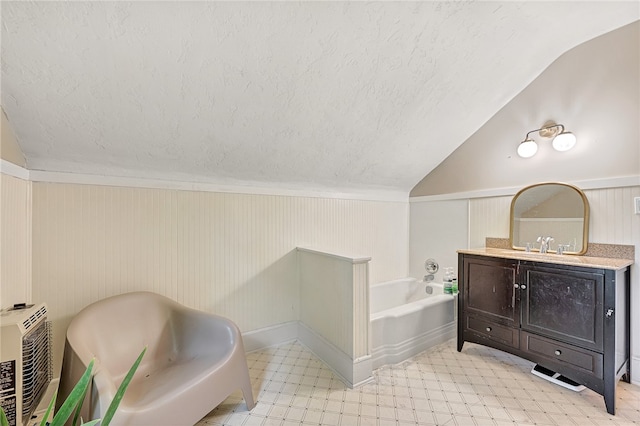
9 148
15 240
15 224
231 254
594 90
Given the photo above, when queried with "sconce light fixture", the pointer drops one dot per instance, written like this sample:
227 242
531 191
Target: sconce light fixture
561 139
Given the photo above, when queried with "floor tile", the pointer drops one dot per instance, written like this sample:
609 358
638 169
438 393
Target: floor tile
441 386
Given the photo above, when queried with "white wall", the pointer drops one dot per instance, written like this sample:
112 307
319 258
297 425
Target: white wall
232 254
437 230
612 221
488 217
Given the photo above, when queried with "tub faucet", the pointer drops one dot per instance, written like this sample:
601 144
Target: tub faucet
544 243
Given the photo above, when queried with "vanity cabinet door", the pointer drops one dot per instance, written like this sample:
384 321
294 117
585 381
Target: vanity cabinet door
563 303
489 289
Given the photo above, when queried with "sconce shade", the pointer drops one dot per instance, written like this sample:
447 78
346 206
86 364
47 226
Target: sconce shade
527 148
561 140
564 141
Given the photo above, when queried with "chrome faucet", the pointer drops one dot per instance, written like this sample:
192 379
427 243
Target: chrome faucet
544 243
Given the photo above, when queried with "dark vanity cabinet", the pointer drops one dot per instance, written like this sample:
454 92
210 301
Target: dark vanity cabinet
490 306
570 319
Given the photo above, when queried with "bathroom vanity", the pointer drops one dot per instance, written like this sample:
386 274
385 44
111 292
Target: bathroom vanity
568 314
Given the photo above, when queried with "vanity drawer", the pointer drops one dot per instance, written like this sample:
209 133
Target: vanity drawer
499 333
581 359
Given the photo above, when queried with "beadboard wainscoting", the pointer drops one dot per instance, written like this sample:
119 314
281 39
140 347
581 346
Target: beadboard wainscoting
488 217
231 254
15 240
612 221
334 305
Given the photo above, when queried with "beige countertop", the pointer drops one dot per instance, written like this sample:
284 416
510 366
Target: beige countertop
564 259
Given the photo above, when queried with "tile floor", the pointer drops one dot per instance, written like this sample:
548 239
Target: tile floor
479 386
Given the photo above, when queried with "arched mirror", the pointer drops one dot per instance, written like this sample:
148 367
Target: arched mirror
555 210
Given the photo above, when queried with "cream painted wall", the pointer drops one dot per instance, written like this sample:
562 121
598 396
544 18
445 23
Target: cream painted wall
594 90
15 224
15 240
9 148
488 217
612 221
232 254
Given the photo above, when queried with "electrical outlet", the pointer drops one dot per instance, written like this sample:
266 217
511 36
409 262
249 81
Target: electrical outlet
636 202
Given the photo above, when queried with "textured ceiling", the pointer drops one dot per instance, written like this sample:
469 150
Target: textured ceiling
315 95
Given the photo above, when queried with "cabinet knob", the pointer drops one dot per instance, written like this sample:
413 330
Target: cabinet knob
523 286
488 328
558 352
516 286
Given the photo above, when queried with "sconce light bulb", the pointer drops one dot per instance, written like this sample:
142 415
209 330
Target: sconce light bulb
527 148
564 141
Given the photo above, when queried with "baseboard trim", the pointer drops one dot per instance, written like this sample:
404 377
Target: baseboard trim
393 354
270 336
352 372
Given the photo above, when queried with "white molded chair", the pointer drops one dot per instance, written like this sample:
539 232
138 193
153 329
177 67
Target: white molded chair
194 360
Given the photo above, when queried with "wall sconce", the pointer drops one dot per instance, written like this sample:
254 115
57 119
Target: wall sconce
562 140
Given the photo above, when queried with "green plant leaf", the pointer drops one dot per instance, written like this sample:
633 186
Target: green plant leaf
3 418
76 415
52 404
91 423
111 411
74 397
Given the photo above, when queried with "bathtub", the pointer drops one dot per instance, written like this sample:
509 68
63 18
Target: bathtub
406 320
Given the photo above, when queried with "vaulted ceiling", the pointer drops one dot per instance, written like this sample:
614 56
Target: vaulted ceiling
314 95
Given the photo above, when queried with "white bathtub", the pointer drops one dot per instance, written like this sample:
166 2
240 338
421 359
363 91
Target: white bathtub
406 320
